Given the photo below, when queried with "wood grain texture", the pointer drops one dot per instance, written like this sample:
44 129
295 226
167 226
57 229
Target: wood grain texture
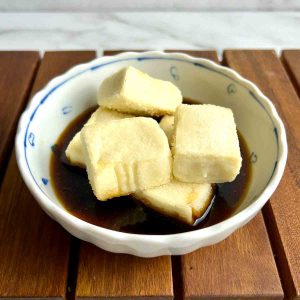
57 62
282 213
118 51
17 71
240 267
34 250
204 54
291 61
105 275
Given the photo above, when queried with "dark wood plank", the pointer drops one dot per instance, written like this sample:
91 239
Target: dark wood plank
107 275
34 250
57 62
204 54
118 51
241 267
291 61
282 213
17 71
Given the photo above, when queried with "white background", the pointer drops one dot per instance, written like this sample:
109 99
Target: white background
149 24
146 5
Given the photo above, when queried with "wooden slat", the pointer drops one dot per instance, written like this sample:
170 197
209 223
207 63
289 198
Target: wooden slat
105 275
282 213
34 250
17 70
112 276
242 266
55 63
118 51
291 61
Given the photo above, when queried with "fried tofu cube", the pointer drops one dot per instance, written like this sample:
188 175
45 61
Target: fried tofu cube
206 146
167 125
133 91
124 156
183 201
74 151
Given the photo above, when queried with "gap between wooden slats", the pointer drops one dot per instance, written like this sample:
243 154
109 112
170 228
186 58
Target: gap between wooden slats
291 62
34 250
282 212
105 275
17 71
240 267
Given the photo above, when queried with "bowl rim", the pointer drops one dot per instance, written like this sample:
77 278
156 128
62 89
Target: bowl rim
241 217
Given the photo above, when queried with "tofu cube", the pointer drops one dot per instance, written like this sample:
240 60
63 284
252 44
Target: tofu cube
167 125
124 156
74 152
102 115
206 146
183 201
132 91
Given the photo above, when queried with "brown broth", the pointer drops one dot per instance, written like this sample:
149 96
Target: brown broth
125 213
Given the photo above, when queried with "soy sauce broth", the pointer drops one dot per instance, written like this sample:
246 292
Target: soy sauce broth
126 214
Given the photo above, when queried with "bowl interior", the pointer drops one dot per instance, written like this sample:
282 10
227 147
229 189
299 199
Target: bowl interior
68 96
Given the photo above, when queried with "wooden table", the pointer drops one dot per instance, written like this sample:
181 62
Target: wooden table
38 259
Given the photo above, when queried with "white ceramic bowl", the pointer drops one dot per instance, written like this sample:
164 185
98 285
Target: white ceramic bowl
66 96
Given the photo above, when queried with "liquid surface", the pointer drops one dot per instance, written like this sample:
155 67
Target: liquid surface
125 213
